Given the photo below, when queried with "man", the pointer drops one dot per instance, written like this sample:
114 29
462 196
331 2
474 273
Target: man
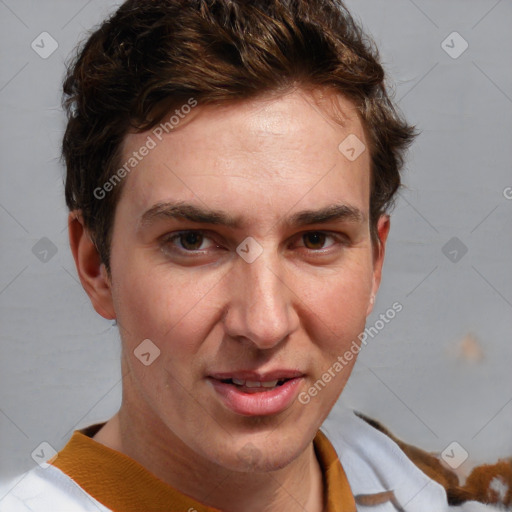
230 166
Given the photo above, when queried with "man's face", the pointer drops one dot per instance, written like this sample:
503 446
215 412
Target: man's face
270 170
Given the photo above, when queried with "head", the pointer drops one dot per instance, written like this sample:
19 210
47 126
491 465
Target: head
217 213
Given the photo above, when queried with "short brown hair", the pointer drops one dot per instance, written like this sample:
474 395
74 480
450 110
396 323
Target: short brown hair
154 55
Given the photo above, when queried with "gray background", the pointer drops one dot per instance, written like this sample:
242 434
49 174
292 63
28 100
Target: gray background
59 368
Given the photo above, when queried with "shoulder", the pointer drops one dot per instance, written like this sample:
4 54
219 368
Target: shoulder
48 490
376 463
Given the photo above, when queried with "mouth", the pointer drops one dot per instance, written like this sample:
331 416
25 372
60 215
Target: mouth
252 394
252 386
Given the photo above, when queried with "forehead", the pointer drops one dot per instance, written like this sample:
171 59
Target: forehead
268 152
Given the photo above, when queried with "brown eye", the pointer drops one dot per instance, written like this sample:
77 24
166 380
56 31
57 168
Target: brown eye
315 240
191 241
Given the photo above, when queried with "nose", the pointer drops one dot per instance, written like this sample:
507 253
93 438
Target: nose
261 307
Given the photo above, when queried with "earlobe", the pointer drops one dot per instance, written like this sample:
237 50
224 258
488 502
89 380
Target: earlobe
91 270
379 251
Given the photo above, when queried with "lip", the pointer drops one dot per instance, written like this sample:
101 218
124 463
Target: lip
259 403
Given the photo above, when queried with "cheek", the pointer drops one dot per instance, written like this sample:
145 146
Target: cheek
340 297
161 305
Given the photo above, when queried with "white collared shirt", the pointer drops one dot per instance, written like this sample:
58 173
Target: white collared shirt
373 463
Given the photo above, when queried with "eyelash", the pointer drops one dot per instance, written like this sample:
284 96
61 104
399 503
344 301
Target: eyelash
168 240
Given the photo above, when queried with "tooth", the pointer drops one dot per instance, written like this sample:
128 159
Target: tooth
270 384
252 384
255 384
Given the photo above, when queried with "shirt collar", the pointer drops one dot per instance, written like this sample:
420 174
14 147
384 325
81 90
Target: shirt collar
122 484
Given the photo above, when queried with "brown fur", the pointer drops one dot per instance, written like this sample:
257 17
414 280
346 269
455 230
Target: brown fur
481 485
480 482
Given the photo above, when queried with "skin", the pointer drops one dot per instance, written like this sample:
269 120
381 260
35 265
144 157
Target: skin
299 305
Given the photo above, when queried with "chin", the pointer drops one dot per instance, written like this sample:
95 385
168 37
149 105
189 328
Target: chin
263 454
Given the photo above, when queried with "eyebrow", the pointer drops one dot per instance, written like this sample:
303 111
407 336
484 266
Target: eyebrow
189 212
331 213
192 213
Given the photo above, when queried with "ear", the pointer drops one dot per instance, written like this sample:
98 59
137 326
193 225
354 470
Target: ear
379 250
91 270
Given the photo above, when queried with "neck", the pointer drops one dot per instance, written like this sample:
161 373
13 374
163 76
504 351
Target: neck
298 486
